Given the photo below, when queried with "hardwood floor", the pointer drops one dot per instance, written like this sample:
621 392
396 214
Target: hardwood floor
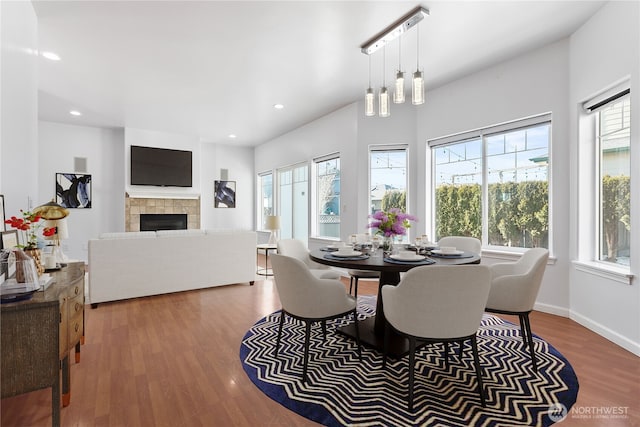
172 360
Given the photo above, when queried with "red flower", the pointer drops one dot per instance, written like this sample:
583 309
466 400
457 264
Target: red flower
48 232
25 224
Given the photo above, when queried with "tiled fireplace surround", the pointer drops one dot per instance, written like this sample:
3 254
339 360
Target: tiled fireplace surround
134 206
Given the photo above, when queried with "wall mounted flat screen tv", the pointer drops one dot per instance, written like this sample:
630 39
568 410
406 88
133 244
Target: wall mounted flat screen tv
160 167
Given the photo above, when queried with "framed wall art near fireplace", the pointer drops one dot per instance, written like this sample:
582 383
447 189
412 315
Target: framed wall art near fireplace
224 194
73 190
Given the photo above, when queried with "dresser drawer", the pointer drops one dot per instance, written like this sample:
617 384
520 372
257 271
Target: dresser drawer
75 328
64 322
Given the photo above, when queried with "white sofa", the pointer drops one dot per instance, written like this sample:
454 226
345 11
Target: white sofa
137 264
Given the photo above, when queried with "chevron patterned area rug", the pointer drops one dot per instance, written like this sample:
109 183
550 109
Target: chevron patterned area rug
344 391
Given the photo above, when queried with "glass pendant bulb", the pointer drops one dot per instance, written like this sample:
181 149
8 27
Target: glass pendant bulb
369 108
383 96
417 85
369 97
398 95
417 88
383 102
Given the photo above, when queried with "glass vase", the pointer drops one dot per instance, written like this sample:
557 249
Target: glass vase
387 245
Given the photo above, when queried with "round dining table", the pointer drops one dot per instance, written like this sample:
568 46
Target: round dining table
372 329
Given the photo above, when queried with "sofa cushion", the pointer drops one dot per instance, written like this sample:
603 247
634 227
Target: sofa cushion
129 235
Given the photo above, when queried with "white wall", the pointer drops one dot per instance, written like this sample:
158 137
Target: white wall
534 83
607 306
104 151
335 132
19 106
398 128
239 163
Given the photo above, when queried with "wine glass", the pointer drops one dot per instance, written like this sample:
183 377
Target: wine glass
418 244
375 243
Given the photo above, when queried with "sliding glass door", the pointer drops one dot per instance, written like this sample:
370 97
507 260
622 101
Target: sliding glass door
293 183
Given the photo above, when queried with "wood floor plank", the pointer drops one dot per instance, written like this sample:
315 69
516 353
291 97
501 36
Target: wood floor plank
172 360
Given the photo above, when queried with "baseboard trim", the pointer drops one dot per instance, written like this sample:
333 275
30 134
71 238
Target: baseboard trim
552 309
607 333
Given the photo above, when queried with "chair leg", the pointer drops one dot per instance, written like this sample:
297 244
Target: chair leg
324 329
355 320
446 354
279 331
527 327
307 339
355 291
350 284
412 350
476 362
387 337
460 348
523 331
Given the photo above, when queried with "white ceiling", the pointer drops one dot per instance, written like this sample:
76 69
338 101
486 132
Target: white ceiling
212 68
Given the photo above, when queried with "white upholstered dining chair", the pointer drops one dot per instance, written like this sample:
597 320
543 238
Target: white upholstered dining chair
437 304
514 289
296 249
462 243
309 299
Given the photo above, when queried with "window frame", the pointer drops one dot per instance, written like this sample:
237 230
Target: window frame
314 210
594 109
279 200
481 134
260 214
390 147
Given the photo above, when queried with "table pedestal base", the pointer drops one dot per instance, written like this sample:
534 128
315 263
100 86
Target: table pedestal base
398 346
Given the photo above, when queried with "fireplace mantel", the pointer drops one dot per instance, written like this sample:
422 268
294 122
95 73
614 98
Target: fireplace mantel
155 195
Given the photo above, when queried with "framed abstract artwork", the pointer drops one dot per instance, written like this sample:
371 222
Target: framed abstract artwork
224 194
73 190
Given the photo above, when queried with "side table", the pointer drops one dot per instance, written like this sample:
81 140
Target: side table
266 271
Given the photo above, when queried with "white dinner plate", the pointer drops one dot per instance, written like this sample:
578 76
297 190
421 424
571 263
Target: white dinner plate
412 257
439 252
345 255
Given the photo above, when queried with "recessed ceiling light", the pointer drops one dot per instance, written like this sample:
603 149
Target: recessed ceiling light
75 113
51 55
232 136
278 106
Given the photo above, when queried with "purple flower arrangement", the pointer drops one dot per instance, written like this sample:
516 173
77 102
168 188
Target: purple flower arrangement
391 223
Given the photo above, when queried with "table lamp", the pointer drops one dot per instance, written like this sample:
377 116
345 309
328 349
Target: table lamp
55 216
272 223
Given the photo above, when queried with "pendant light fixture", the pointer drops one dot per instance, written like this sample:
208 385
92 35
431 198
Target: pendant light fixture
383 99
417 87
393 31
369 107
398 95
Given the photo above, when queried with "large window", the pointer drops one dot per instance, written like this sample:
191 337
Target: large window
387 178
327 196
293 202
265 198
613 177
492 184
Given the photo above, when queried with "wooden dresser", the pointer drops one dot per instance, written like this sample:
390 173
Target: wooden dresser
38 336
